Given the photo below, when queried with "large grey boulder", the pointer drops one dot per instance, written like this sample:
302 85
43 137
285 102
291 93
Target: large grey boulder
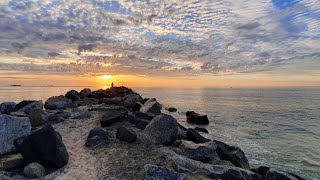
37 117
273 174
195 118
111 117
183 164
130 100
85 93
31 106
12 128
73 95
34 170
126 135
58 102
7 107
97 136
151 106
162 129
202 153
45 146
154 172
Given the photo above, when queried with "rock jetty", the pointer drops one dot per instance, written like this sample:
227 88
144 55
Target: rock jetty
115 134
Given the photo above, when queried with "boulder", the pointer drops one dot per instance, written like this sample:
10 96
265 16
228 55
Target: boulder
7 107
31 106
59 115
154 172
37 117
73 95
146 116
130 100
202 153
58 102
183 164
195 118
162 129
233 154
262 170
152 107
86 102
195 137
126 135
113 116
273 174
170 109
12 128
19 114
85 93
23 104
11 161
82 115
136 106
201 129
140 123
44 146
112 101
34 170
97 136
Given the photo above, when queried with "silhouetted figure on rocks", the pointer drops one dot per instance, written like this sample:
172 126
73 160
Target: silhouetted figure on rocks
112 85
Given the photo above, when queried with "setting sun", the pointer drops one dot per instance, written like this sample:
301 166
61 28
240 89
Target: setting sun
106 77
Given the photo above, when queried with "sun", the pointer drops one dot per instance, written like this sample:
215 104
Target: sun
106 76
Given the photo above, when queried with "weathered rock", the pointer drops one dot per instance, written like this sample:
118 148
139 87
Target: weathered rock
201 129
59 115
73 95
233 154
202 153
19 114
154 172
97 136
86 102
195 118
262 170
130 100
112 117
7 107
85 93
162 129
34 170
170 109
58 102
222 163
112 101
273 174
136 106
37 117
183 164
195 137
31 106
82 115
11 161
140 123
22 104
142 115
12 128
151 106
43 145
126 135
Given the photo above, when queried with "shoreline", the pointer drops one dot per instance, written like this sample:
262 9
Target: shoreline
182 156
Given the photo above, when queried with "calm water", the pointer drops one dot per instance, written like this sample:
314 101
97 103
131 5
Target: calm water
275 127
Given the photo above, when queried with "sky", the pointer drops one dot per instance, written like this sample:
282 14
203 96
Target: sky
199 43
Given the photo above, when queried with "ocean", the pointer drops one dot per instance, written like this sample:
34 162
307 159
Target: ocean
277 127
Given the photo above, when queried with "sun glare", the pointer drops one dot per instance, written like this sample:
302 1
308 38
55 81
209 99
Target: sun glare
106 77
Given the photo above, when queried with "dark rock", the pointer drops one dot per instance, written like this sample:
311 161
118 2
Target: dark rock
195 137
37 117
112 117
22 104
233 154
12 128
202 153
154 172
44 146
136 106
142 115
97 136
31 106
142 124
195 118
112 101
58 102
19 114
171 109
262 170
273 174
126 135
59 115
85 93
86 102
73 95
11 161
7 107
201 129
152 107
162 129
82 115
130 100
182 133
183 164
34 170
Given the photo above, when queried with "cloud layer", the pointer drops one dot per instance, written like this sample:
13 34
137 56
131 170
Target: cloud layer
214 37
